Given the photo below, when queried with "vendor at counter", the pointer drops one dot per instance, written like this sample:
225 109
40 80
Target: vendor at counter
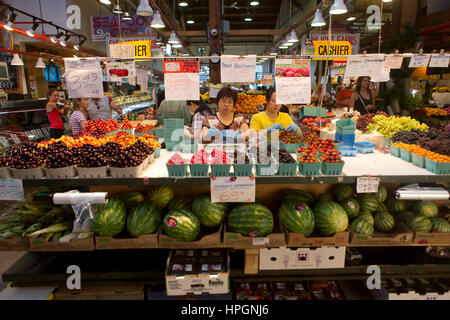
272 119
344 96
363 100
54 113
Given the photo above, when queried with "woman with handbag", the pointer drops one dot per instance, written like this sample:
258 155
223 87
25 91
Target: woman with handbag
363 100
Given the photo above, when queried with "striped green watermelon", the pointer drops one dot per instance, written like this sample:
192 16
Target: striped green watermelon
297 217
132 199
368 202
296 195
352 207
343 192
161 196
439 225
405 215
109 219
144 219
382 194
419 224
425 208
209 214
395 205
330 218
384 222
253 220
382 208
179 204
325 197
367 216
182 225
361 226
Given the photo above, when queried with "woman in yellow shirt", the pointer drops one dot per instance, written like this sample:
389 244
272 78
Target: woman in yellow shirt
272 119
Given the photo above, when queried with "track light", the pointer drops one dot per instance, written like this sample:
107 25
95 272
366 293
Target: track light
67 37
126 16
10 24
53 39
117 10
59 34
31 31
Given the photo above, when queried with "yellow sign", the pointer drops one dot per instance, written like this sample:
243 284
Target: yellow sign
142 49
337 48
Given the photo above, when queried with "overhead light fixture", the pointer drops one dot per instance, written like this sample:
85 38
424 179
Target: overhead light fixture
159 41
293 37
144 9
318 20
177 45
63 43
53 39
248 19
338 7
283 47
254 3
286 42
173 38
31 31
117 10
387 0
157 22
273 53
352 18
67 37
107 2
190 22
40 64
183 3
59 34
16 61
76 47
10 24
126 16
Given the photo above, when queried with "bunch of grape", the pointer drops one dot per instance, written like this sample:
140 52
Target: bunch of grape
391 125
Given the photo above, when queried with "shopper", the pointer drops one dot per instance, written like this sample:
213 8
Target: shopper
363 100
272 119
315 98
344 96
78 120
54 113
201 111
102 108
174 110
225 123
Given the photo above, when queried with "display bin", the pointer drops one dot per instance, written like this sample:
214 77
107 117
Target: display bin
291 148
437 167
42 245
177 170
395 151
418 161
307 112
36 173
112 132
4 173
243 170
347 151
60 173
332 169
406 155
399 236
88 173
237 241
199 170
365 147
287 169
345 126
346 139
310 169
148 241
220 170
208 238
266 169
14 244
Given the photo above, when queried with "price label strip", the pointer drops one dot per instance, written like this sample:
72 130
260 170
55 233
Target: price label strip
11 189
367 184
233 189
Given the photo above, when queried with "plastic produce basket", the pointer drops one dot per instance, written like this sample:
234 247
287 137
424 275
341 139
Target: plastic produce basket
418 161
158 153
406 155
36 173
177 170
346 139
437 167
332 169
395 151
365 147
309 169
199 170
321 112
173 123
288 169
306 112
269 169
159 132
291 148
347 151
4 173
112 132
387 141
345 126
220 170
243 170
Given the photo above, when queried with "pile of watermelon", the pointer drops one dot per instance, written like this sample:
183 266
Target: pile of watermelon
423 216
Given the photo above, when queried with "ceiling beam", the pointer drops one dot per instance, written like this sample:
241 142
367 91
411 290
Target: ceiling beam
246 32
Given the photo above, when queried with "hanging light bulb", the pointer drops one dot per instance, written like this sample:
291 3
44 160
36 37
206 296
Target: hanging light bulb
351 18
173 38
16 61
387 0
254 3
286 42
183 3
144 9
117 9
318 19
31 31
338 7
107 2
127 16
293 37
40 64
157 22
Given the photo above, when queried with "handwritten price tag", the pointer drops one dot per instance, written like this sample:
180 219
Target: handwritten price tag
367 184
11 189
233 189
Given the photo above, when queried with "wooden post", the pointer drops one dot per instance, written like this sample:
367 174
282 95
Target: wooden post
251 261
214 41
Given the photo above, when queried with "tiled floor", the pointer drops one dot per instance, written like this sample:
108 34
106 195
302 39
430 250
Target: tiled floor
7 259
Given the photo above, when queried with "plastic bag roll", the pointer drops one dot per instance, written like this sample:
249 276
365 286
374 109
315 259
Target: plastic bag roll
422 195
80 198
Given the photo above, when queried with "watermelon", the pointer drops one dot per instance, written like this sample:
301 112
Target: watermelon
253 220
425 208
132 199
297 217
384 222
325 197
368 202
161 196
382 194
439 225
144 219
182 225
419 224
395 205
362 226
209 214
382 208
405 216
109 219
179 204
343 192
368 217
352 207
296 195
330 218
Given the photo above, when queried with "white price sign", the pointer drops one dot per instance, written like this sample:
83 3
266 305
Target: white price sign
233 189
11 189
84 78
367 184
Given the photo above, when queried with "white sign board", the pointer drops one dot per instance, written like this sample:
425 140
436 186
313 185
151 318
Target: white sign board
121 51
182 79
142 79
367 184
359 66
439 61
237 69
233 189
121 70
393 62
84 78
292 80
308 41
418 61
11 189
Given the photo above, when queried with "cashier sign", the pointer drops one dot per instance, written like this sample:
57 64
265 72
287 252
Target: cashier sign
142 49
337 48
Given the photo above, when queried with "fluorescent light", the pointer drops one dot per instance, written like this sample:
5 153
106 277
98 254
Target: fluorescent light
387 0
157 22
105 2
248 19
40 64
318 19
16 61
338 7
126 16
190 22
183 3
144 9
117 9
254 3
351 18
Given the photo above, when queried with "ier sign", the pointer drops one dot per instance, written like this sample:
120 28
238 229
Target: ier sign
337 48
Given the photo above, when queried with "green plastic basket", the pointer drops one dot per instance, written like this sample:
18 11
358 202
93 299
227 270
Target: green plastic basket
345 126
266 169
309 169
177 170
130 131
332 169
173 123
437 167
387 142
157 153
220 170
199 170
291 148
288 169
307 112
159 132
418 161
112 133
243 170
170 145
395 151
406 155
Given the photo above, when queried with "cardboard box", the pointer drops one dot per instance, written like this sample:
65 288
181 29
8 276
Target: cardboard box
149 241
39 245
109 292
206 241
238 241
340 239
302 258
400 236
197 284
399 291
14 244
431 238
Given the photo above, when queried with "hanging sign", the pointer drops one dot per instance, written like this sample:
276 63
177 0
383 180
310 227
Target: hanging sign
308 47
142 48
233 189
293 82
108 26
393 62
439 61
84 78
367 184
142 79
121 51
419 61
182 79
359 66
11 189
337 48
118 70
238 69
